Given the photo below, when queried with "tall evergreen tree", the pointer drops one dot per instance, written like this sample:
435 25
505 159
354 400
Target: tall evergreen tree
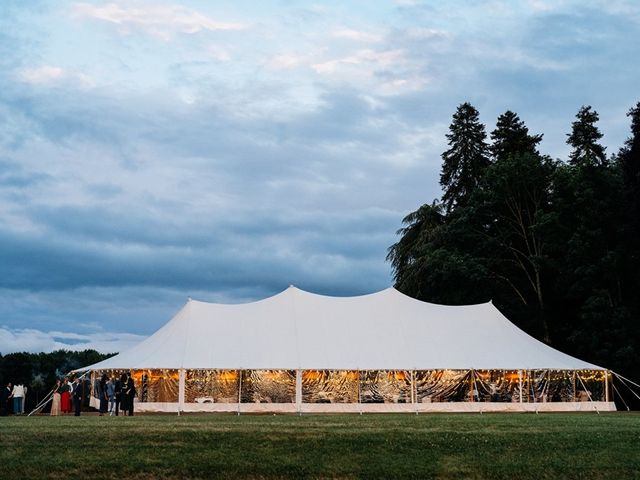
584 139
589 206
628 162
629 158
511 137
553 244
588 199
466 159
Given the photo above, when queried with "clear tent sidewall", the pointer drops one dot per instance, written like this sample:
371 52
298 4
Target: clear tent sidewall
358 391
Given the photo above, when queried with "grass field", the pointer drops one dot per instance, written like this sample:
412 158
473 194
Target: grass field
513 446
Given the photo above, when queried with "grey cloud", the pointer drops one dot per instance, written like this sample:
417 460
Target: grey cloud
125 201
71 254
12 175
91 309
303 148
118 226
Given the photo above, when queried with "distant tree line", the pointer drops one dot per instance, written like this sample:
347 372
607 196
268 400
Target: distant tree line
555 244
38 371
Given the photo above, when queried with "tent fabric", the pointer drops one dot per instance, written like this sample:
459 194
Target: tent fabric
386 330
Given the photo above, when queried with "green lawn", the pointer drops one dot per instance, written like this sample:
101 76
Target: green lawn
510 446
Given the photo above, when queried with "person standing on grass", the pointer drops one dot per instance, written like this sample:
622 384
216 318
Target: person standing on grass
102 394
77 396
5 391
55 401
131 393
117 386
110 390
9 401
18 397
124 399
65 396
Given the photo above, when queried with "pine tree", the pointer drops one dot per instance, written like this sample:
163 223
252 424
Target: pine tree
584 139
629 167
467 158
629 156
511 137
554 246
629 163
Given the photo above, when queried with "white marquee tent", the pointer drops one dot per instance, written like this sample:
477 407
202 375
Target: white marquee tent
302 352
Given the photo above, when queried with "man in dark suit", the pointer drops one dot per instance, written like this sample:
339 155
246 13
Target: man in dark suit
77 396
5 391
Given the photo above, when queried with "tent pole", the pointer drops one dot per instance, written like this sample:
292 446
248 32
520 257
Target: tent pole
532 386
359 392
239 390
606 386
299 391
414 392
574 386
548 384
520 383
181 377
471 385
413 386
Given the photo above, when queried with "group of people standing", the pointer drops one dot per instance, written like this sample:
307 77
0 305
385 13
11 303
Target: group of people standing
64 394
116 394
12 398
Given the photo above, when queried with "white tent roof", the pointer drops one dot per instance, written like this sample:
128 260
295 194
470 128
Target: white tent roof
295 329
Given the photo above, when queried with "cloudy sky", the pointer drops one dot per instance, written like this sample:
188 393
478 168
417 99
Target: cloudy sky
155 150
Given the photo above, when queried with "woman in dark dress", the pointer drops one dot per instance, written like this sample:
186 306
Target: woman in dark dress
124 400
102 394
130 393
